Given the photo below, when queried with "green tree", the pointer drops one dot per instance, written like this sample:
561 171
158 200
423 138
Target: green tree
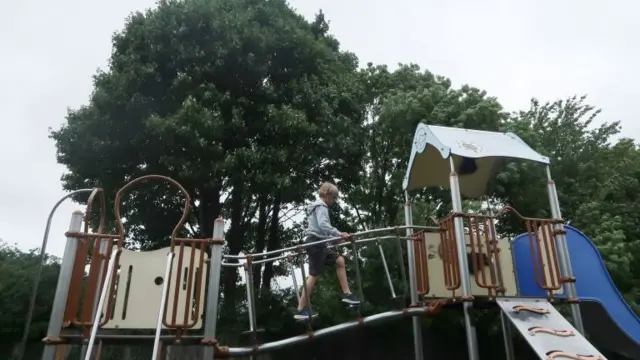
596 178
397 102
244 103
17 270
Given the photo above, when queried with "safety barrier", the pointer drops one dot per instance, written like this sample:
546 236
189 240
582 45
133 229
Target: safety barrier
482 251
290 254
107 298
421 259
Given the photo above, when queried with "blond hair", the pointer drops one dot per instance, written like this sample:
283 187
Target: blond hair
328 189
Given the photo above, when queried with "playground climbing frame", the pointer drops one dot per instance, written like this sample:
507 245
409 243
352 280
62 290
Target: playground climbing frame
188 299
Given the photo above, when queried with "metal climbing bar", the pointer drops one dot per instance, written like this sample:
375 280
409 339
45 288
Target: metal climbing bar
251 301
292 268
272 253
282 255
163 306
305 287
403 271
356 262
111 269
386 270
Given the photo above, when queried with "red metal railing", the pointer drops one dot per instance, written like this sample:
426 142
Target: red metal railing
422 270
484 251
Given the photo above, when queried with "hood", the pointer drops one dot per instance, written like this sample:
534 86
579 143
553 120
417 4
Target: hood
311 208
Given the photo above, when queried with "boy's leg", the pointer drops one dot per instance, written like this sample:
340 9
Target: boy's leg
333 258
316 267
311 283
341 271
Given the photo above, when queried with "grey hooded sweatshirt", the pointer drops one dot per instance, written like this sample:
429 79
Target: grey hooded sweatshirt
319 226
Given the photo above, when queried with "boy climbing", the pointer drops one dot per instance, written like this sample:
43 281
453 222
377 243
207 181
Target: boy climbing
320 256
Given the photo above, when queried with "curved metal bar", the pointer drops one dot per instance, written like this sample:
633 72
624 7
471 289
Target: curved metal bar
306 245
89 212
36 280
120 193
369 320
103 297
282 257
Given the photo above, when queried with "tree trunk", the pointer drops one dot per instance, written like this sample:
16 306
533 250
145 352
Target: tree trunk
273 242
261 235
234 241
209 209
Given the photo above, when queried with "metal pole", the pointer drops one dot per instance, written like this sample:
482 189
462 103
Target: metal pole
104 246
103 298
295 281
386 271
403 271
507 336
251 304
354 247
563 253
240 352
213 288
62 289
306 288
461 245
248 277
163 304
417 328
36 279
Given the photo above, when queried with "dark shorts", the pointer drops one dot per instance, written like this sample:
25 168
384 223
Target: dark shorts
320 258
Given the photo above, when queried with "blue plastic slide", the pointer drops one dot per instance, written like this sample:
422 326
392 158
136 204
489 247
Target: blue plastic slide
608 319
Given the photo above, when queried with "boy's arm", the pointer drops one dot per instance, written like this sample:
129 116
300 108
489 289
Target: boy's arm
324 223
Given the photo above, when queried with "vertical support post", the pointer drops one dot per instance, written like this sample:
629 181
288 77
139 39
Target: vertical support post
305 288
296 289
251 303
213 288
111 269
507 336
563 253
356 262
386 271
417 326
403 271
461 245
62 289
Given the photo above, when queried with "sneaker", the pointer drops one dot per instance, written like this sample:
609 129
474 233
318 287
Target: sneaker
304 314
350 299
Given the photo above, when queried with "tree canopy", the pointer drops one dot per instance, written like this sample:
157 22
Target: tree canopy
250 106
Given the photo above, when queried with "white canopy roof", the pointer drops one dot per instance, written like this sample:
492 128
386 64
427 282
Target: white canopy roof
476 155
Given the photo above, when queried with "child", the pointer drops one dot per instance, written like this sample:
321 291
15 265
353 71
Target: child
319 228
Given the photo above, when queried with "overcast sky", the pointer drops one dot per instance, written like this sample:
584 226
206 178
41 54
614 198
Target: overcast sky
514 49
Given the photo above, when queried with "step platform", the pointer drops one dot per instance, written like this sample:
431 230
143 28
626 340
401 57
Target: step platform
547 331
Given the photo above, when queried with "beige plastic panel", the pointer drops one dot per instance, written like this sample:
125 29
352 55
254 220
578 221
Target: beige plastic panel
436 274
139 307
